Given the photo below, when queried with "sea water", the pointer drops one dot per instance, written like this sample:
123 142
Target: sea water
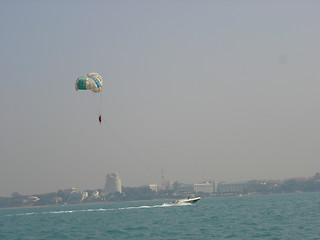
281 216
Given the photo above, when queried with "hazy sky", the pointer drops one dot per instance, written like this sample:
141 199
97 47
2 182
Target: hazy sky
206 90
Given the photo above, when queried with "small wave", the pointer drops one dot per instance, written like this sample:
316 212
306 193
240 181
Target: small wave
167 205
21 214
58 212
183 204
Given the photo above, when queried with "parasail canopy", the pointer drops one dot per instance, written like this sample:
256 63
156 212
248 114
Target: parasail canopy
92 81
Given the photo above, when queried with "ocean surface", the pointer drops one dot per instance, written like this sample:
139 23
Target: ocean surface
281 216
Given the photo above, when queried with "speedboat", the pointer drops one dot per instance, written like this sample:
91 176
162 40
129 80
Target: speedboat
187 200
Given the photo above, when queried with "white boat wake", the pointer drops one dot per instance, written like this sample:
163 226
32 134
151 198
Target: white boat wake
164 205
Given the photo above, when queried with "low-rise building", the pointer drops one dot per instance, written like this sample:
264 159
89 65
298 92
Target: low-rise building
153 187
206 187
232 187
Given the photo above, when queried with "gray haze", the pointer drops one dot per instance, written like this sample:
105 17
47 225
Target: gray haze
221 90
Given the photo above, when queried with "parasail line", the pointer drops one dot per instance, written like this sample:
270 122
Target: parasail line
136 158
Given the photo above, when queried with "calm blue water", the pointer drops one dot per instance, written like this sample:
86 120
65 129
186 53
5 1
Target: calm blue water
283 216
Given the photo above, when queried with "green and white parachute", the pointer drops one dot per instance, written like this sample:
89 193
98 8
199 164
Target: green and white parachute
92 81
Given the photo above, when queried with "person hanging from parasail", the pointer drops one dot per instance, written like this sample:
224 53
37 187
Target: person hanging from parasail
93 82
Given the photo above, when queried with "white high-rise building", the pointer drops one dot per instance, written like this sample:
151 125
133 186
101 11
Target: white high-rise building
113 183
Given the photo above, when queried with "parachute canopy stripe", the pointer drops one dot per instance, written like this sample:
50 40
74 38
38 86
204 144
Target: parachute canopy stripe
97 82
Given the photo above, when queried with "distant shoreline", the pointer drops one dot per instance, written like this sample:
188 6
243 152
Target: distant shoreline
149 200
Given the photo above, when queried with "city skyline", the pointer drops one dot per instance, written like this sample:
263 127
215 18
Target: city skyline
113 183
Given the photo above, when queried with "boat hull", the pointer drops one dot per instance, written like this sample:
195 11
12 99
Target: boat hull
188 200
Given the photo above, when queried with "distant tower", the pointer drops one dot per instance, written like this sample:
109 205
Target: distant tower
113 183
162 180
